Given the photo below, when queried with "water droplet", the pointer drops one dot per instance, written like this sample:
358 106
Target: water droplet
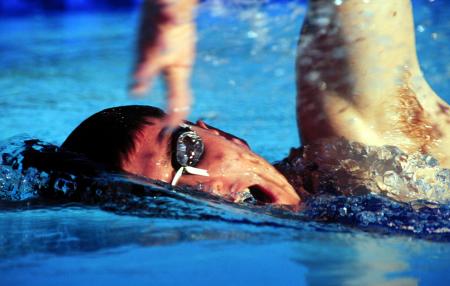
313 76
420 28
343 211
322 86
252 35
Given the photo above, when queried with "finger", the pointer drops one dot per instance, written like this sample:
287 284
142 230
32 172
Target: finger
179 93
141 84
148 46
146 71
139 88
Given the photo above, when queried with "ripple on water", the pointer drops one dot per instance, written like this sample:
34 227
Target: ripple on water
22 188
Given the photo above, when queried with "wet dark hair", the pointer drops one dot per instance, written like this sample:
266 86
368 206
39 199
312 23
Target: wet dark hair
100 143
108 136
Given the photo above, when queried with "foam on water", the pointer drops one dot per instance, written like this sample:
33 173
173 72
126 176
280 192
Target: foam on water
343 167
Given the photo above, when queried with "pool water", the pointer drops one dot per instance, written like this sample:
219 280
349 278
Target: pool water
58 69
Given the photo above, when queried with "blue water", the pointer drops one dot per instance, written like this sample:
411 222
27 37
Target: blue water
58 69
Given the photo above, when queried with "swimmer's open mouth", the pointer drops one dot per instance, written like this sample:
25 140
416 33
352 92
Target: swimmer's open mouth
256 194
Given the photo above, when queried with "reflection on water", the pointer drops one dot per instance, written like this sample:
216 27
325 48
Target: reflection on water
361 261
74 229
90 242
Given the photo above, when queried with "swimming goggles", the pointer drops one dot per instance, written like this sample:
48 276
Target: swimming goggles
187 150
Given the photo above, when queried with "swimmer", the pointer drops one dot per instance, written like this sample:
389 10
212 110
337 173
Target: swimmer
358 76
132 139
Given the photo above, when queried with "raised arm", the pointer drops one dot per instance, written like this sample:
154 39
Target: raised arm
358 77
166 46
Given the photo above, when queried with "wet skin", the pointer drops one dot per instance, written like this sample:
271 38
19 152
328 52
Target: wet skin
233 168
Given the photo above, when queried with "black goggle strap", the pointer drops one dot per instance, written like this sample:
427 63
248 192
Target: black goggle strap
186 157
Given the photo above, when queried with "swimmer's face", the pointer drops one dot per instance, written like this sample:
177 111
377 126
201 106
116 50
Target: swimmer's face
233 168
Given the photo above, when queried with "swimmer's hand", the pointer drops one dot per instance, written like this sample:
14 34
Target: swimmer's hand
166 46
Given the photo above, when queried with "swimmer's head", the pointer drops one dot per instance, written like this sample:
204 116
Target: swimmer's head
132 139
